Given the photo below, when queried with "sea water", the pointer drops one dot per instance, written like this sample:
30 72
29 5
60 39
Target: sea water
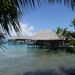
20 60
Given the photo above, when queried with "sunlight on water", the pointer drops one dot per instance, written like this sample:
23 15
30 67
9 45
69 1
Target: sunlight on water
18 60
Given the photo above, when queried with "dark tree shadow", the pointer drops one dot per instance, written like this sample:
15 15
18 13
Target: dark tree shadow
48 72
69 71
62 71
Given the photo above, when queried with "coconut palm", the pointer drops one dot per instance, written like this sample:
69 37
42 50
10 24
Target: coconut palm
10 10
63 33
73 23
59 31
73 34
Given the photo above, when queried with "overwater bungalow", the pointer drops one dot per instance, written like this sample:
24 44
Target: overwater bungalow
47 39
42 39
18 40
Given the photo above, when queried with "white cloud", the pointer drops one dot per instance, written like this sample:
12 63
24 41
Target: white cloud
27 30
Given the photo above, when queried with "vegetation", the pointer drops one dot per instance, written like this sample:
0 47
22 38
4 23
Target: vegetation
73 23
72 41
67 35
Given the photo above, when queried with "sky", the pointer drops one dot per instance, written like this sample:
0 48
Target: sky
47 17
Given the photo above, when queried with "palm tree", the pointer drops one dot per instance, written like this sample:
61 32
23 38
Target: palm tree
63 33
73 23
59 31
11 10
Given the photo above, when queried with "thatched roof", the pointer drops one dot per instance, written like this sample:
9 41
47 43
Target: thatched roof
46 35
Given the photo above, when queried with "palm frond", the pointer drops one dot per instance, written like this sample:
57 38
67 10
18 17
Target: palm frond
70 3
73 23
11 10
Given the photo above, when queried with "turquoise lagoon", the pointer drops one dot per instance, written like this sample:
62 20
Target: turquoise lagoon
20 60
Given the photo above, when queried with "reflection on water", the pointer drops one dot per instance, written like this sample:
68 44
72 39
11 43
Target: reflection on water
19 60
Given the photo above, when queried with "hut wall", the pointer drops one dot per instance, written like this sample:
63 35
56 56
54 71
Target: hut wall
49 43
